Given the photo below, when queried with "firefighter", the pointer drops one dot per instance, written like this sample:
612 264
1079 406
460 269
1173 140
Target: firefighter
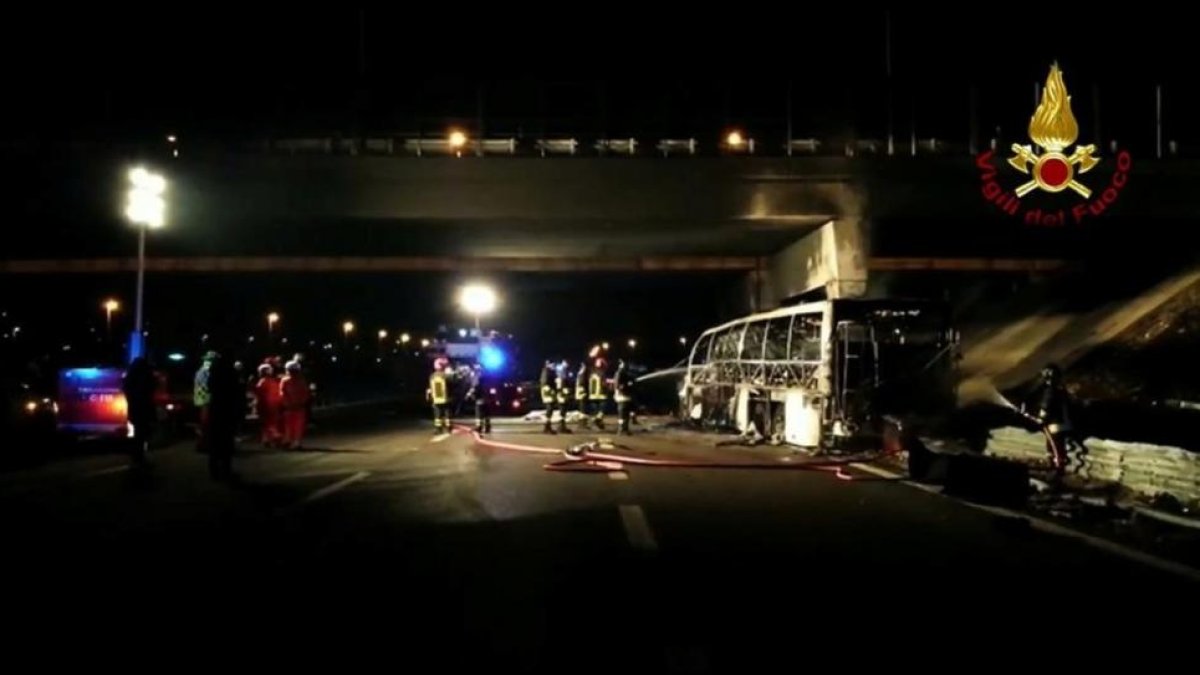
202 397
549 395
139 386
562 387
268 399
227 410
581 393
481 385
1052 403
596 394
623 394
293 391
438 395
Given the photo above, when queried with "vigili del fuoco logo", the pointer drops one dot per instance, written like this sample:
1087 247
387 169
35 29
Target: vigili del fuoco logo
1058 170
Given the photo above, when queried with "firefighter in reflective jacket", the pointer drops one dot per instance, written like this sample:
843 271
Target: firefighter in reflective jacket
549 395
562 385
596 394
482 385
438 395
623 394
581 393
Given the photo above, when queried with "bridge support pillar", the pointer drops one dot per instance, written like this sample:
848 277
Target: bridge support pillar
833 259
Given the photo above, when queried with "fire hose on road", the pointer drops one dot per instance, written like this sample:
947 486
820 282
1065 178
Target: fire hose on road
591 457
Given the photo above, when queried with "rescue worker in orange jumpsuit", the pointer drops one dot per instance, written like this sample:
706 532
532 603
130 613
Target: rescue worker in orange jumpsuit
438 395
268 396
293 389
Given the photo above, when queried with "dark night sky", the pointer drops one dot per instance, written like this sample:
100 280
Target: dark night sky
258 72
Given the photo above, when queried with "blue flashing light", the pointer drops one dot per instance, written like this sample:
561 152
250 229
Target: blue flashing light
492 358
175 356
84 373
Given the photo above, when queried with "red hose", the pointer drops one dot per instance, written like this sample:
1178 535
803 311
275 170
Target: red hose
597 462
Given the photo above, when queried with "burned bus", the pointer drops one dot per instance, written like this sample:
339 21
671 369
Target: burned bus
824 374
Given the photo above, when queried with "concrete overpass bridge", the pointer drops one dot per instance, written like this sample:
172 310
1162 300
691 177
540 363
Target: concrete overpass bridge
792 225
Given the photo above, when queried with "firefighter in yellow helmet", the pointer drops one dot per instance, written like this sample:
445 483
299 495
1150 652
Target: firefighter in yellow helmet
581 393
562 386
623 393
438 395
596 393
549 394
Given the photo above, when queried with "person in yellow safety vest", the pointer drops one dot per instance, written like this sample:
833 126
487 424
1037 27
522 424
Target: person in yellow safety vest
563 385
623 395
596 394
549 396
438 394
581 392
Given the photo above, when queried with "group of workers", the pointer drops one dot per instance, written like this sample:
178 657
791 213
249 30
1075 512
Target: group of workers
590 394
281 396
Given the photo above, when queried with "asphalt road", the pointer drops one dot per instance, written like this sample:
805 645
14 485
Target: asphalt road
381 541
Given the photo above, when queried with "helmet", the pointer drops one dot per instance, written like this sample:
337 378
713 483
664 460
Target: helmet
601 364
292 366
441 363
210 355
1051 373
265 369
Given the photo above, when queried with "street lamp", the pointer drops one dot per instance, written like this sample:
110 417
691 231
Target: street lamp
424 342
477 299
347 329
382 335
404 338
632 343
146 208
110 306
682 340
604 346
272 319
457 140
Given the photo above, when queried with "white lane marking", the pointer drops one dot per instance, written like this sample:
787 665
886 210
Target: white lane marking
330 489
637 528
618 475
1049 527
439 438
105 472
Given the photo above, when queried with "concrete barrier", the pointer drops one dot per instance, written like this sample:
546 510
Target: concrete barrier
1141 467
